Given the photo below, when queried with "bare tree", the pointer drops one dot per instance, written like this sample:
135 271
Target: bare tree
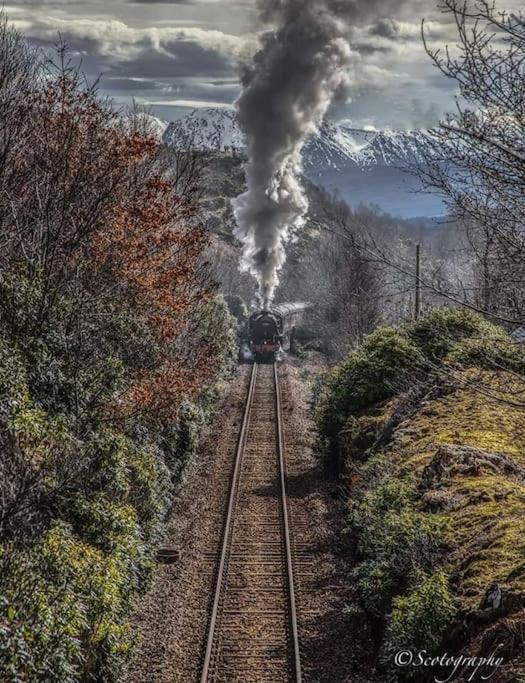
477 155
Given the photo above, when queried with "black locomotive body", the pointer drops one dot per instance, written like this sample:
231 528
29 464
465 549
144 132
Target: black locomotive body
265 335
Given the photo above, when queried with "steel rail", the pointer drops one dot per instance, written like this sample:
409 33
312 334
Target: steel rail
228 529
228 526
286 525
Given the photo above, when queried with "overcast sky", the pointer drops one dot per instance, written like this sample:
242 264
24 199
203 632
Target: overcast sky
180 54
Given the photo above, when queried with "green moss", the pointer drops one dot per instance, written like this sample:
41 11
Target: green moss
484 528
486 534
464 416
414 530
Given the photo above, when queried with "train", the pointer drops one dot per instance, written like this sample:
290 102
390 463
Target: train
265 335
269 332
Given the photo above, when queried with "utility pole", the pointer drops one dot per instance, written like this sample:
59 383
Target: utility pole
417 307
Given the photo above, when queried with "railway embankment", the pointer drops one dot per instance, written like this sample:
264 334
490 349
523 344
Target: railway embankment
405 479
425 426
172 621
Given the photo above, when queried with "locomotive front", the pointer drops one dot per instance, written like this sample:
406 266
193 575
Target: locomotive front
265 335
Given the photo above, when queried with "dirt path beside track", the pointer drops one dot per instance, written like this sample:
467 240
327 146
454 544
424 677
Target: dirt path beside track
334 647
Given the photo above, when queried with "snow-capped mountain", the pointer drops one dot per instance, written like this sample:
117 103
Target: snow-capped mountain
337 146
158 126
206 129
364 166
334 146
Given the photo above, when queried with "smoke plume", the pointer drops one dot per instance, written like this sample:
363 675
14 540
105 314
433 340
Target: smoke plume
286 93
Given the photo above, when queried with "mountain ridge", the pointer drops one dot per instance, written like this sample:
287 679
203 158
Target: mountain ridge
334 145
364 166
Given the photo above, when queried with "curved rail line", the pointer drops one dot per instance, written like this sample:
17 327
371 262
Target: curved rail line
252 633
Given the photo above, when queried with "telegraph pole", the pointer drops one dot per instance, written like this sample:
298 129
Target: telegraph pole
417 306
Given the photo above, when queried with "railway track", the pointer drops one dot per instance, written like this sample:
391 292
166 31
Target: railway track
252 632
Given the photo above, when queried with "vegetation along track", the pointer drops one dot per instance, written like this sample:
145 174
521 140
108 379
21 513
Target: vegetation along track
252 632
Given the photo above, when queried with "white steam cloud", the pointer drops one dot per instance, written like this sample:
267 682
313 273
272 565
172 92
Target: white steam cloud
286 93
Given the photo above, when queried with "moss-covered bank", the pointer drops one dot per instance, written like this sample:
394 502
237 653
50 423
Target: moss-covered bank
426 425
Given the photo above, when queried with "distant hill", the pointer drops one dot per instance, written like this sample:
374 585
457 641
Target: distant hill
364 166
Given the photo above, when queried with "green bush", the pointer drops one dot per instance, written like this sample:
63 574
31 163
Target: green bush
13 379
381 366
237 307
497 353
419 621
395 542
78 542
64 602
394 358
377 370
41 622
437 333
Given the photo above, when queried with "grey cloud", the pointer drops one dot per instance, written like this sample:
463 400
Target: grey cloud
118 50
385 28
424 115
132 85
178 60
162 2
195 3
365 47
147 40
149 67
122 41
38 3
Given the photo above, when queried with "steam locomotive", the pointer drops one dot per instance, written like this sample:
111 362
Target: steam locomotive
265 335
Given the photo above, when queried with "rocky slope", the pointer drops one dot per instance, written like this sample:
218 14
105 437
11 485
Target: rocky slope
426 428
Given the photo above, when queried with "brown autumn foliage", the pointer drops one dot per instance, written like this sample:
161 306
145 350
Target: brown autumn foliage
87 206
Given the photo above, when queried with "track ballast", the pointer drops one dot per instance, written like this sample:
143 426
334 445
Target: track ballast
252 634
